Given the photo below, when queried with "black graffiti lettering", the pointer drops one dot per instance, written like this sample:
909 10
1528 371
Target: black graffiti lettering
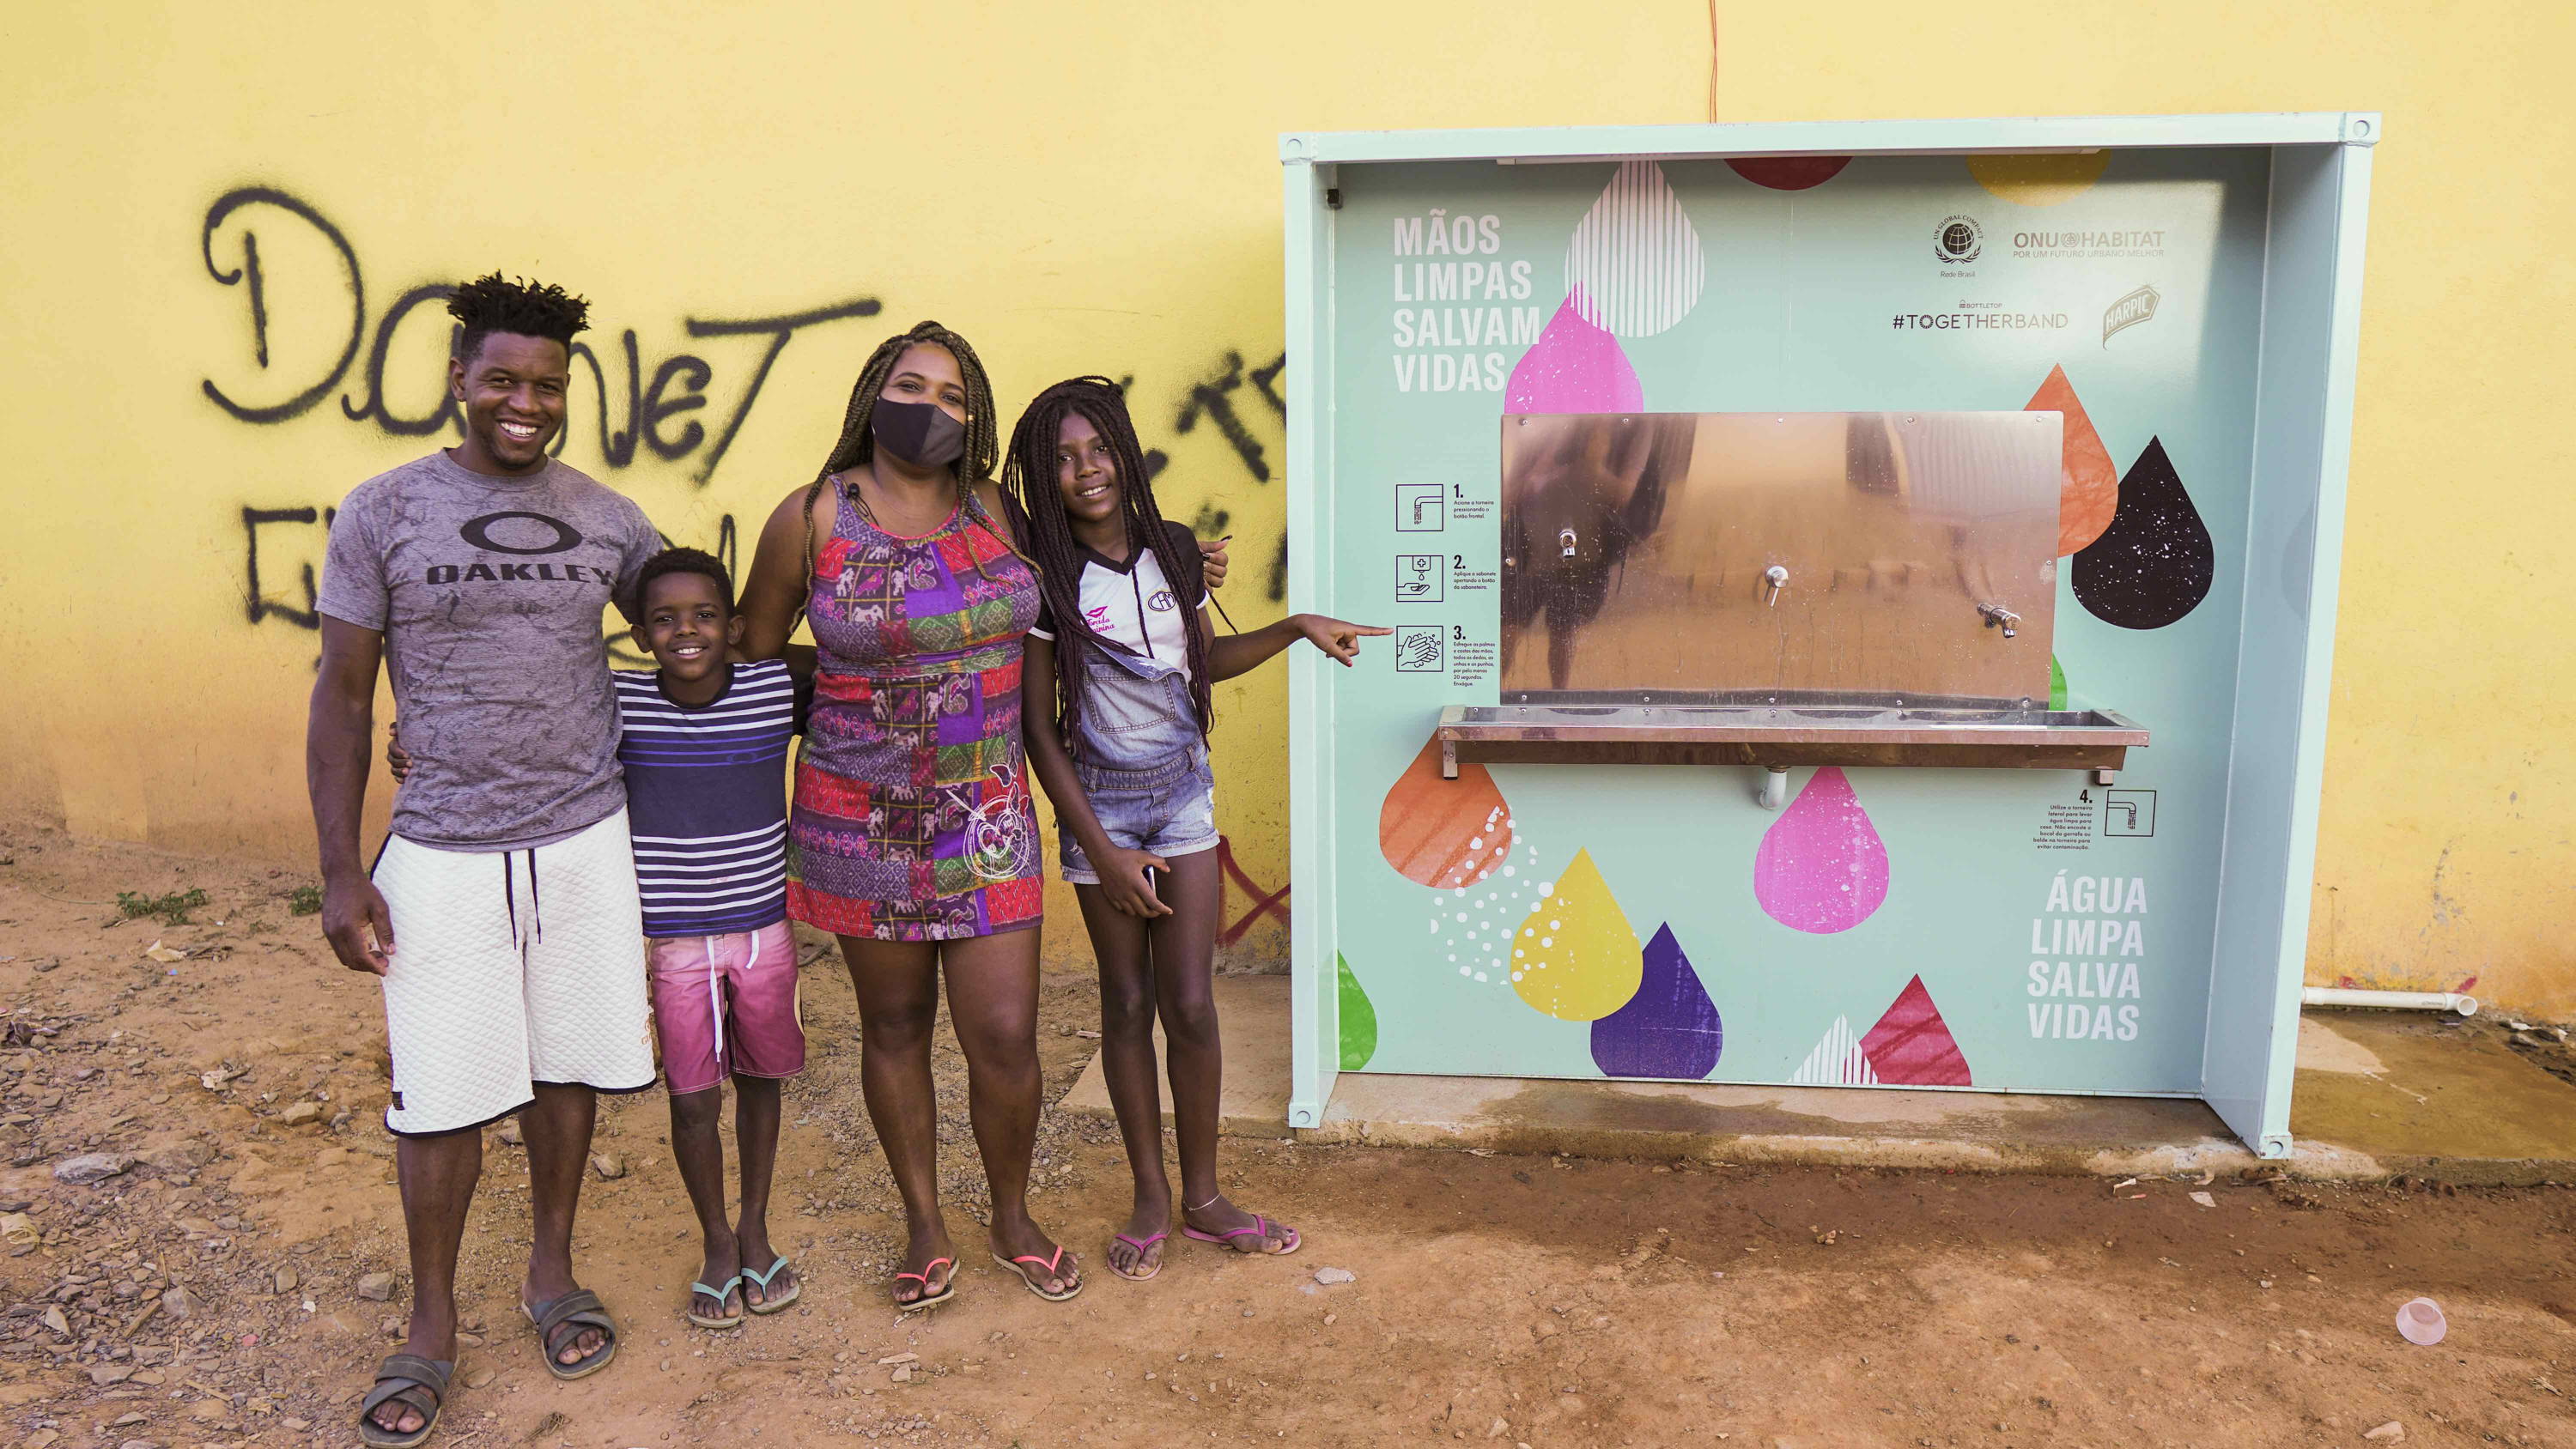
374 379
780 329
251 273
1210 398
617 448
1211 521
478 532
1279 571
656 407
1262 377
261 606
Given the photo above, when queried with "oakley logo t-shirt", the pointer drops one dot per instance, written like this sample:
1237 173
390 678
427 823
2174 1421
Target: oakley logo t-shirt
489 592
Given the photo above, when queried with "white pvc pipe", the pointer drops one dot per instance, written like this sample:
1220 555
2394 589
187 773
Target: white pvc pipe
1775 789
2391 1000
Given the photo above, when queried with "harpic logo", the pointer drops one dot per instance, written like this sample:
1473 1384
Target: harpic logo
2129 311
1958 240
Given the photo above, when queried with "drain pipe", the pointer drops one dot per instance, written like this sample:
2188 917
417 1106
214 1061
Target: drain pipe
2389 1000
1775 787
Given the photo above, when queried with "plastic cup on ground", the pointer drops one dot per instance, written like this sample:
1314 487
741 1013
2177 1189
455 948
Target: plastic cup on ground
2420 1322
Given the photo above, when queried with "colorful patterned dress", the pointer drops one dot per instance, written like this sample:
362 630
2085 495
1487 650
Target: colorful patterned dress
912 819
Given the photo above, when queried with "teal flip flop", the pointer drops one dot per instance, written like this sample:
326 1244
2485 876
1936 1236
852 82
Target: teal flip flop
726 1290
795 1290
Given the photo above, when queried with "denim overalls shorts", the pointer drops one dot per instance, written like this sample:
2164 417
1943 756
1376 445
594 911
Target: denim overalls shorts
1142 761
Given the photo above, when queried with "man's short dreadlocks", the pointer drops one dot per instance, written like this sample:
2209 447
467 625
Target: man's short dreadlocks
530 309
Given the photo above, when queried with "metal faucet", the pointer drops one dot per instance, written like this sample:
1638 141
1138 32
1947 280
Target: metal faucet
1773 578
1999 617
1565 541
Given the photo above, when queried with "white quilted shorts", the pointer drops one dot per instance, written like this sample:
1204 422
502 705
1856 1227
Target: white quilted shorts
512 968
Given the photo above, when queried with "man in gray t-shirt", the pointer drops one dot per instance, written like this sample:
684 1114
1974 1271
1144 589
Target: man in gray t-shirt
502 913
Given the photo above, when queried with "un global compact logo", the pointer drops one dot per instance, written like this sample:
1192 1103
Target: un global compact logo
1958 240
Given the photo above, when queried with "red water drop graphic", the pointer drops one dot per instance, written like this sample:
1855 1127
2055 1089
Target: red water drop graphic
1821 867
1789 173
1574 367
2090 492
1911 1046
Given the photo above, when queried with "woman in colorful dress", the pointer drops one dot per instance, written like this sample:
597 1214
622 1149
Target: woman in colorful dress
912 837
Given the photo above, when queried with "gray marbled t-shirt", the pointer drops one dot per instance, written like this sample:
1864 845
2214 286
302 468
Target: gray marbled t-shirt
489 593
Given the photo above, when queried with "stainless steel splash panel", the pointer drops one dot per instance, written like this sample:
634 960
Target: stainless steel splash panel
1815 557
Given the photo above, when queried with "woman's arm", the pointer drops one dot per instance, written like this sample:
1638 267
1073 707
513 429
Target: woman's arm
1235 654
1122 871
774 595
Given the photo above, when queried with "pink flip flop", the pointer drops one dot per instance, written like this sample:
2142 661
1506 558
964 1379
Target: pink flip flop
1049 1264
928 1299
1260 1225
1141 1249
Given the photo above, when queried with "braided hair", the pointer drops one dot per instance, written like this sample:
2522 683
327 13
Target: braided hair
493 303
1029 481
858 443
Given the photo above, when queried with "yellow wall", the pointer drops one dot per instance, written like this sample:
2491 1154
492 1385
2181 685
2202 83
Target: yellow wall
1092 187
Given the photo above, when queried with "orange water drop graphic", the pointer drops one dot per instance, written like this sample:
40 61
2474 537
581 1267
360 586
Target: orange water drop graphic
1575 957
2089 484
1444 833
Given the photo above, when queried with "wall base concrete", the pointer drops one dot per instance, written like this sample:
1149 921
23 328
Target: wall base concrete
2379 1094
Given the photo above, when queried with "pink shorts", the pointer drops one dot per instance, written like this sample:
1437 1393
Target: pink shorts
726 1004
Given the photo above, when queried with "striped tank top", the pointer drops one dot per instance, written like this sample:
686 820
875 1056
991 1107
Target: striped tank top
706 799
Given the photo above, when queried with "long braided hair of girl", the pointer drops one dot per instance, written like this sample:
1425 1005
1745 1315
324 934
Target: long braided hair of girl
858 442
1029 480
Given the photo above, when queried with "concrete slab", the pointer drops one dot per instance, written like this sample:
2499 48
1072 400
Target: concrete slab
2378 1094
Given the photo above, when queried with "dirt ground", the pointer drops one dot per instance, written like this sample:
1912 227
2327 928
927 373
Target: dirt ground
212 1292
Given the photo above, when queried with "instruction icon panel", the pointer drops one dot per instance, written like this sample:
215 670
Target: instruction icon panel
1420 508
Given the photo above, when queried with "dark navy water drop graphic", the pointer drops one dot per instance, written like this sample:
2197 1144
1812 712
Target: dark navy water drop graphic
2154 564
1669 1029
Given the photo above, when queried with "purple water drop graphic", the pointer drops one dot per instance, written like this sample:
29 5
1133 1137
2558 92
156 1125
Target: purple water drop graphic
1669 1029
1821 867
2154 564
1574 367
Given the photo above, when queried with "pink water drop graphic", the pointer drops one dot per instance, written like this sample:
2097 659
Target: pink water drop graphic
1821 867
1574 367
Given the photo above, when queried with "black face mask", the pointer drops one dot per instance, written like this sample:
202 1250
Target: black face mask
921 434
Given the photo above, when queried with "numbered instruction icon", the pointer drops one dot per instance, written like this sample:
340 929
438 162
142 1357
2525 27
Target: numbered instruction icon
1420 649
1420 508
1421 578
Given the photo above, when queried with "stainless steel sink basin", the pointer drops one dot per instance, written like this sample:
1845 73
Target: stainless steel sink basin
1781 735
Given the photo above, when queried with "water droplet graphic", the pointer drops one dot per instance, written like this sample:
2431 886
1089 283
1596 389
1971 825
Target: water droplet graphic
1358 1018
1821 867
2154 564
2089 487
1431 830
1912 1047
1574 367
1788 173
1669 1029
1836 1061
1634 266
1594 967
2039 180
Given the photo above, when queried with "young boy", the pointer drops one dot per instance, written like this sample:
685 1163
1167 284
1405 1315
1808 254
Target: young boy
704 744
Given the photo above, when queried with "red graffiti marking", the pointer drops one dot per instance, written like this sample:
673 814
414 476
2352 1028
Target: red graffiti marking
1264 903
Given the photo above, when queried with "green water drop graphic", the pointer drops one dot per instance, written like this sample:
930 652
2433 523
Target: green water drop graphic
1359 1019
2056 684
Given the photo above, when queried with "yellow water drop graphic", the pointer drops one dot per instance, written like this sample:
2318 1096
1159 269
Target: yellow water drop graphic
1583 960
2044 180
